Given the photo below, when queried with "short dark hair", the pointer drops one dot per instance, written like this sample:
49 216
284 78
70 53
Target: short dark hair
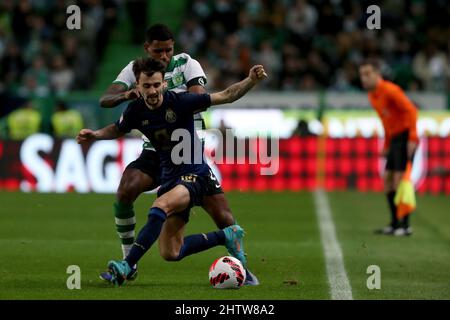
158 32
147 66
375 63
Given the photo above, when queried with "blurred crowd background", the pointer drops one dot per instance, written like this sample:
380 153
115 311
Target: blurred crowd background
317 44
304 45
39 54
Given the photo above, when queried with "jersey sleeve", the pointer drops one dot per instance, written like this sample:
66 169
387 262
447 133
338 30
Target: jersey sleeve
402 103
126 76
194 103
126 121
194 74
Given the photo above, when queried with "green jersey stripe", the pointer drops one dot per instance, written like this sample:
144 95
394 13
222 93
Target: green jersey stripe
121 82
175 63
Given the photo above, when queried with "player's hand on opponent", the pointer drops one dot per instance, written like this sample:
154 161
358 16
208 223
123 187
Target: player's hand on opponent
257 73
85 135
132 94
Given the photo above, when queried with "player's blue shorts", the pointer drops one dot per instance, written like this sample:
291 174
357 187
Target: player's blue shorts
197 186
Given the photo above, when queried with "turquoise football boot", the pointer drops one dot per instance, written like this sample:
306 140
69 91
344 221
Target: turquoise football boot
120 271
107 275
233 242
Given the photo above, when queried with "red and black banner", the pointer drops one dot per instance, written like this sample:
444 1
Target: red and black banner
44 164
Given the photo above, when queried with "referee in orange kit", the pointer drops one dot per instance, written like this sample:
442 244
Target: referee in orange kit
399 117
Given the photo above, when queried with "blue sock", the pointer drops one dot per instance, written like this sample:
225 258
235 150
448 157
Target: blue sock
201 242
147 236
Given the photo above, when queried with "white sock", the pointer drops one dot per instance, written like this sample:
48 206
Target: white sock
126 250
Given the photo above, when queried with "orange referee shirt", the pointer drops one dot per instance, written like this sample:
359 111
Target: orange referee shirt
396 111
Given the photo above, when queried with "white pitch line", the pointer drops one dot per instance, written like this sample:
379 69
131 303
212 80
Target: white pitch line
337 277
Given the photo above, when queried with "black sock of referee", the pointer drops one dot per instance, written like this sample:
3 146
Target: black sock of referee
390 198
405 221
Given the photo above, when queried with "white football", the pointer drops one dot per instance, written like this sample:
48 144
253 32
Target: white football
227 273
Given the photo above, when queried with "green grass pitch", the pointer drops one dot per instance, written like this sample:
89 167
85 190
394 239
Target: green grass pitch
42 234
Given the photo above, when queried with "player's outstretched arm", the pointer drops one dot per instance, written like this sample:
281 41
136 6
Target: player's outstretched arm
116 94
238 90
107 133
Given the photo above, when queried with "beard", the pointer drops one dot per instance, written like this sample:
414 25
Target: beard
153 100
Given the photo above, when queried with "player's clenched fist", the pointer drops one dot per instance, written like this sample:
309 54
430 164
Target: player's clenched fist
85 135
257 73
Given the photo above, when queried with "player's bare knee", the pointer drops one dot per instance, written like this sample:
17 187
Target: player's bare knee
163 204
127 193
169 255
135 180
172 257
388 183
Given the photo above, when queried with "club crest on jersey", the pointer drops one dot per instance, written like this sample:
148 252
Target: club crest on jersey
177 80
171 116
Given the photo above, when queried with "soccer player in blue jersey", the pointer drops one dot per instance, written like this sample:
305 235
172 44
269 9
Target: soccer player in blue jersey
161 115
182 74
